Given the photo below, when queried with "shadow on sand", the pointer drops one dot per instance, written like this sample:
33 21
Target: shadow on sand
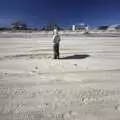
75 57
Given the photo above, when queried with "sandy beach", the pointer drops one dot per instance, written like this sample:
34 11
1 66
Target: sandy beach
84 84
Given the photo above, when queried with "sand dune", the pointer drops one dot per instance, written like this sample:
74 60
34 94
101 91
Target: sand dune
82 85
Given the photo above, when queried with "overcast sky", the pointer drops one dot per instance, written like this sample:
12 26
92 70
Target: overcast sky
64 12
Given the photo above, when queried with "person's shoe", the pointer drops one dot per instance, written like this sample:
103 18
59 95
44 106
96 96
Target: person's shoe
55 57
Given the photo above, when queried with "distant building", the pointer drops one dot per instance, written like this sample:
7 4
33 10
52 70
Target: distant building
81 26
73 28
18 26
114 27
103 27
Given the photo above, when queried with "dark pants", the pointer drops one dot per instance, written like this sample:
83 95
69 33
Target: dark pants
56 51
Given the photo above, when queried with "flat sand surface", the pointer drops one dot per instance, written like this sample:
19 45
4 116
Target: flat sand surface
83 85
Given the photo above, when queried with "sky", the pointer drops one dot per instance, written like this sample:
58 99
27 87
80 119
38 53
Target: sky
63 12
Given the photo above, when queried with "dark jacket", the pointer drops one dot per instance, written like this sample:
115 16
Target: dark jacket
56 39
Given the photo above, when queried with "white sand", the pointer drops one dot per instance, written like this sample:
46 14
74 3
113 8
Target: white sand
33 86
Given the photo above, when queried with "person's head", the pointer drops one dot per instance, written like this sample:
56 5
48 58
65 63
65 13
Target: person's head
56 32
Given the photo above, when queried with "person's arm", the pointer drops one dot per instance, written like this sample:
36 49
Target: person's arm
59 38
53 38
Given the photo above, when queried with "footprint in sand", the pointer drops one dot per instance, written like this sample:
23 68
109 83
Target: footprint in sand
117 107
35 70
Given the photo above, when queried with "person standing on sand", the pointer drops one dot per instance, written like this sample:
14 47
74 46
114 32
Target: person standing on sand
56 44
